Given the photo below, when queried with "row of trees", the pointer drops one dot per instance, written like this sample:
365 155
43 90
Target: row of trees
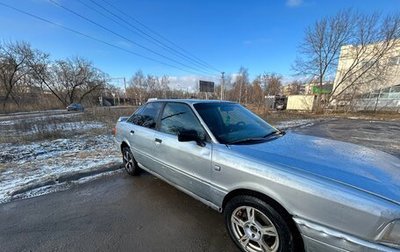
141 87
238 88
28 76
244 91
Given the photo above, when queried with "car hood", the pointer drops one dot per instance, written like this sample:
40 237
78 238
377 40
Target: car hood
365 169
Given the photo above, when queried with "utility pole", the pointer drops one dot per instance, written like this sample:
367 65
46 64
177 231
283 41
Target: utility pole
222 85
240 90
125 86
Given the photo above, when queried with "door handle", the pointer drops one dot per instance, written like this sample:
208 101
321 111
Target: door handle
158 140
132 132
217 168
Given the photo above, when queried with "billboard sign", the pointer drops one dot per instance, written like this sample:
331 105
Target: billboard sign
206 86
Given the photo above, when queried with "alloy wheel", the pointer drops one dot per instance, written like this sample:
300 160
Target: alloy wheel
254 230
128 161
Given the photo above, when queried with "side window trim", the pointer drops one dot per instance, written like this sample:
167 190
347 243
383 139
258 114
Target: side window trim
158 119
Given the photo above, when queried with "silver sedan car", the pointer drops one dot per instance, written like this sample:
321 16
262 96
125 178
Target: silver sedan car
278 191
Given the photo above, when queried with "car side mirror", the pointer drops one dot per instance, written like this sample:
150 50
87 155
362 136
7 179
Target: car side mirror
191 135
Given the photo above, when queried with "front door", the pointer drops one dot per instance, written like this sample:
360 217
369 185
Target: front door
185 164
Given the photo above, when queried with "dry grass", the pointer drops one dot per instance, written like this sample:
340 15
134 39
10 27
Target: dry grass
55 127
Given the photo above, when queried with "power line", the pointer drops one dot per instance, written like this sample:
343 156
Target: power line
125 38
160 36
93 38
144 34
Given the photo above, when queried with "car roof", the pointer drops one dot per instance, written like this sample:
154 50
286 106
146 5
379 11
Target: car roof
189 101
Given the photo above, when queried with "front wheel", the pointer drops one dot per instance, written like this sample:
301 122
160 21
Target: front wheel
255 226
130 164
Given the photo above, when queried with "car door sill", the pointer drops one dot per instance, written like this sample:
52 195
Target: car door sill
195 196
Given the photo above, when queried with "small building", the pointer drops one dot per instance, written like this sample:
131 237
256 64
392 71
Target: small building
301 102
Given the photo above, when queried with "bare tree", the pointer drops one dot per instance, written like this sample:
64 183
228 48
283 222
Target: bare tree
240 84
321 46
72 80
164 85
364 65
370 38
295 87
15 69
137 87
273 83
257 95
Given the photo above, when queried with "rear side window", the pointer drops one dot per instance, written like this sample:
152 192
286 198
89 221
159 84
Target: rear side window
178 117
147 115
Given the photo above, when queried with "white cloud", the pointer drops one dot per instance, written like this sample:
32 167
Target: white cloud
257 41
188 83
294 3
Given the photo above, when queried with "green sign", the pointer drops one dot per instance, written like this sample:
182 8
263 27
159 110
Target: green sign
318 90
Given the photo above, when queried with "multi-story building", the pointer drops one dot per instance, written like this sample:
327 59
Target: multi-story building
368 77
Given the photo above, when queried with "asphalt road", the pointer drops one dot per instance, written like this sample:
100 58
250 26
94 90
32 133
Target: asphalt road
116 213
122 213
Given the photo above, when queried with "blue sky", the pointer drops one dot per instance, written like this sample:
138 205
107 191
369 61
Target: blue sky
261 35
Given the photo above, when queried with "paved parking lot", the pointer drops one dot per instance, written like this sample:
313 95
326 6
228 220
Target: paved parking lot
122 213
380 135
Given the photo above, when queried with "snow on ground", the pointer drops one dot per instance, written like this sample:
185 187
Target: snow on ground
8 127
41 164
295 123
13 121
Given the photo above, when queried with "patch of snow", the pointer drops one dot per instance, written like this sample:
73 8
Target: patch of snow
42 163
15 121
60 186
295 123
80 126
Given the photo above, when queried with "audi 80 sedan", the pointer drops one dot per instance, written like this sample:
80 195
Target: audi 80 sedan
278 191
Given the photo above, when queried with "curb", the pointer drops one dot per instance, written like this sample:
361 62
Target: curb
68 178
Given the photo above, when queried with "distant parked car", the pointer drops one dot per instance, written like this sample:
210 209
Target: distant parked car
75 107
280 192
280 106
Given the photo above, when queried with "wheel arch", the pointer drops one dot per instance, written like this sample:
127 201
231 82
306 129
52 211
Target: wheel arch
124 144
275 204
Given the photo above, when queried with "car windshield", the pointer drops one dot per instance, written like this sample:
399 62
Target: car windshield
231 123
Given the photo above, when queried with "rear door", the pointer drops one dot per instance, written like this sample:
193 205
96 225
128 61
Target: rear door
141 133
185 164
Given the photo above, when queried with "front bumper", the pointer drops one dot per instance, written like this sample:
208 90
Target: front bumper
318 238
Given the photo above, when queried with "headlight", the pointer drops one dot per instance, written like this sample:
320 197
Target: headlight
390 235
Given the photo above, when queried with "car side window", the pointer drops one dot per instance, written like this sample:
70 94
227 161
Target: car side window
178 117
147 115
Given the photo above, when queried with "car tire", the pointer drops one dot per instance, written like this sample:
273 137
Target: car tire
130 164
255 225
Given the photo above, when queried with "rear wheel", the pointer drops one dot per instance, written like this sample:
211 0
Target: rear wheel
130 164
255 226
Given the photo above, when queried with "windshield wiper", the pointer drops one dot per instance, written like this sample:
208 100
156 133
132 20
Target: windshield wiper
247 140
273 133
169 116
258 139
